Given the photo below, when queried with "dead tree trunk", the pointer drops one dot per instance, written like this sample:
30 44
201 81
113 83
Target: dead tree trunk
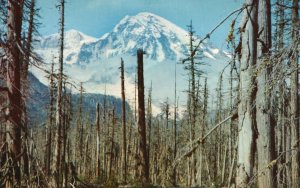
203 129
192 96
58 122
98 145
141 120
295 143
112 146
123 123
79 131
14 112
149 121
265 140
50 123
281 129
65 126
175 127
24 74
219 135
246 114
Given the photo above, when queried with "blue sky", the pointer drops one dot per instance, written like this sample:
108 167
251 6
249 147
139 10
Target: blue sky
96 17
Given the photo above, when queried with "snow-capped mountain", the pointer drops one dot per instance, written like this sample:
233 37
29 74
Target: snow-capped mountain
158 37
47 46
96 61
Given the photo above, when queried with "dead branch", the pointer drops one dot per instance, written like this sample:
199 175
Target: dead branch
197 142
207 36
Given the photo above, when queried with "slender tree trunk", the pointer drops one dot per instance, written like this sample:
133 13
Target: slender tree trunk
112 147
124 123
220 134
192 94
65 127
50 123
231 134
58 122
129 145
24 74
175 128
203 127
288 155
98 145
79 130
149 124
224 165
281 175
141 120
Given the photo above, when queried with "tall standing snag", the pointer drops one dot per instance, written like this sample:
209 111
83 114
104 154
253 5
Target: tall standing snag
265 139
98 170
50 123
295 143
58 122
24 84
246 115
193 71
14 58
123 122
144 160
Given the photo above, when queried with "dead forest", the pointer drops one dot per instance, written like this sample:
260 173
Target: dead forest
249 136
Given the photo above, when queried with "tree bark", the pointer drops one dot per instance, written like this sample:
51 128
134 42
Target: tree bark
50 123
192 95
295 143
58 122
281 129
246 114
24 80
123 123
175 129
112 146
265 140
14 56
141 120
98 145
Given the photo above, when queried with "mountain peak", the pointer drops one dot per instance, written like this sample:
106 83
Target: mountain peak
150 21
76 35
147 14
160 38
73 39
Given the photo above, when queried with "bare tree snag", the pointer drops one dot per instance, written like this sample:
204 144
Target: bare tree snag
14 112
295 142
265 138
149 120
98 145
141 120
246 115
123 123
24 80
50 123
58 122
175 126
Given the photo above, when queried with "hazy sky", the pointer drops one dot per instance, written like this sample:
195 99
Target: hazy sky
96 17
